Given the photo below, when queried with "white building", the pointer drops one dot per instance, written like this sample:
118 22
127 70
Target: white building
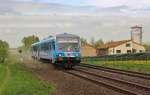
120 47
125 46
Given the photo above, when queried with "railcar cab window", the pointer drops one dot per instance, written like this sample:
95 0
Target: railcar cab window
68 45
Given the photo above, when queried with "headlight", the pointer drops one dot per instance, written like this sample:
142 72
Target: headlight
59 55
77 54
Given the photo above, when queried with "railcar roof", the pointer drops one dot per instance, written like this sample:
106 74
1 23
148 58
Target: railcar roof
52 38
42 41
35 43
66 35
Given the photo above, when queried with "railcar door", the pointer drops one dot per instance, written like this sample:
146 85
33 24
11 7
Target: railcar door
52 49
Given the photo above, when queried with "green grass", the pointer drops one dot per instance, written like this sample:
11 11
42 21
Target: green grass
2 74
138 66
16 80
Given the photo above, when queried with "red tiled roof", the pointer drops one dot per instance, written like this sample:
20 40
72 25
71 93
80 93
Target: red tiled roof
113 44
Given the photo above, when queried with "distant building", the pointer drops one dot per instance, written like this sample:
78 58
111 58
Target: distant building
120 47
125 46
88 50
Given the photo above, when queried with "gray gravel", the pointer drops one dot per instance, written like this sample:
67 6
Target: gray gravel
66 84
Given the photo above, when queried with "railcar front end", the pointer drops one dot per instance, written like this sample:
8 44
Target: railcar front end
68 50
68 59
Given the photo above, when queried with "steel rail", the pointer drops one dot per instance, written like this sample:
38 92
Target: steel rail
99 82
124 72
140 86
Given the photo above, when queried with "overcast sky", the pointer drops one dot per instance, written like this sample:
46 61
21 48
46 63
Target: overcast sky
101 19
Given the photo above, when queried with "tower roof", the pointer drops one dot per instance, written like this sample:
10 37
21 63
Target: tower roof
136 26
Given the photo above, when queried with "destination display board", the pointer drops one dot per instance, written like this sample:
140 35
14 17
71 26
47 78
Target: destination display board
67 40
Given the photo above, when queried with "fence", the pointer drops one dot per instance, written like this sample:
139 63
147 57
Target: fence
120 58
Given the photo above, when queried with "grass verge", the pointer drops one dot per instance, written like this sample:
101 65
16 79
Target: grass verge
138 66
16 80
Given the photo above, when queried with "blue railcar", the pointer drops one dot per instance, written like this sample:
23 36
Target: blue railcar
63 50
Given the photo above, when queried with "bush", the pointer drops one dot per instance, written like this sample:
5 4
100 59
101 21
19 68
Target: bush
4 47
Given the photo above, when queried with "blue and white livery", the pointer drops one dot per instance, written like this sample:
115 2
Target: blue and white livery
64 50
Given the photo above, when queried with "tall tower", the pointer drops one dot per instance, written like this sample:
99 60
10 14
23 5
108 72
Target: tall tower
136 34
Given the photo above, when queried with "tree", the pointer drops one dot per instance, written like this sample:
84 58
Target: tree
4 47
92 41
28 41
98 43
147 47
83 41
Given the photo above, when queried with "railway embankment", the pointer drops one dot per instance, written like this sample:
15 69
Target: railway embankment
136 66
17 80
131 83
66 84
84 80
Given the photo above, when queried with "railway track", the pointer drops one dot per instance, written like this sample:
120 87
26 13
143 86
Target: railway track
124 72
121 86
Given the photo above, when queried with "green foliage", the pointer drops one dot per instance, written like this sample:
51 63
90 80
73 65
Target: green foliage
97 43
147 47
83 41
17 80
4 47
2 73
137 66
94 43
28 41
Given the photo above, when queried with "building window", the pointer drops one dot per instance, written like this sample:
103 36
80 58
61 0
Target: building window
128 51
118 51
113 51
134 50
128 45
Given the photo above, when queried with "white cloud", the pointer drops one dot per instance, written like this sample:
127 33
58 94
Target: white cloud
96 7
112 3
97 21
106 3
14 28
